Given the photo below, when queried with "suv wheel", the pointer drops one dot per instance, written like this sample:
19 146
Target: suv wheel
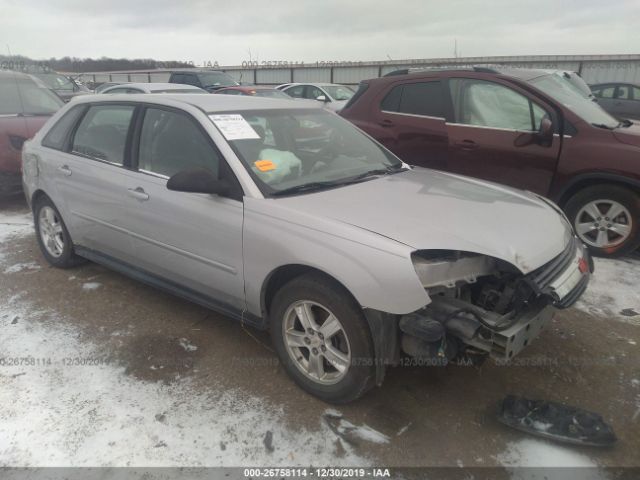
53 237
323 339
606 218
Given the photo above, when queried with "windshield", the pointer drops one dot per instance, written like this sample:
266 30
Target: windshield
576 81
271 94
571 97
216 79
339 92
288 149
23 96
55 81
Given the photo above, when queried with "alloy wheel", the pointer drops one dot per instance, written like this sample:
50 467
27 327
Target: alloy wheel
603 223
316 342
51 233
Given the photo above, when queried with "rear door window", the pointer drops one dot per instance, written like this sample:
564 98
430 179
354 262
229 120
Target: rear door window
295 92
313 93
422 98
623 92
102 133
489 104
171 142
607 92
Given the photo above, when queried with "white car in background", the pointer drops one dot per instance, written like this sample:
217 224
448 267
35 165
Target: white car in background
333 95
153 88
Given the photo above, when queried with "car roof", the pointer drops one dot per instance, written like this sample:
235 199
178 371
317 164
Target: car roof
154 86
14 74
315 84
206 103
525 74
608 84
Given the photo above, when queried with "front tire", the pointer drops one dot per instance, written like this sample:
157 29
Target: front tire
52 234
323 339
606 218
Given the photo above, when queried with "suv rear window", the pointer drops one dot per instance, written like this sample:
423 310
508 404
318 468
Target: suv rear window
422 98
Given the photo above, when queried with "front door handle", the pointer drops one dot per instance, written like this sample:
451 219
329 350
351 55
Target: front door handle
387 123
467 145
66 171
138 193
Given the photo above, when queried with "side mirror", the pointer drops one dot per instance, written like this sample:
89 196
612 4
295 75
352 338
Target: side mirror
198 180
322 98
545 132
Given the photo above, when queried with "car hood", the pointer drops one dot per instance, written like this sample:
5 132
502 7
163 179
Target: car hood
426 209
629 135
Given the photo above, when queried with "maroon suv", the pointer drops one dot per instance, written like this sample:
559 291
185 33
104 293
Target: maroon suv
531 129
25 105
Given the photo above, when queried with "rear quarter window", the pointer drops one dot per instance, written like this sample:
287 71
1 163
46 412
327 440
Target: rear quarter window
421 98
57 137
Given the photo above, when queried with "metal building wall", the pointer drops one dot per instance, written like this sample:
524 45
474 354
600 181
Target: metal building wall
593 68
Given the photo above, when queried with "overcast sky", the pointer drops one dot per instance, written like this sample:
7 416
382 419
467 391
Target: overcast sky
312 30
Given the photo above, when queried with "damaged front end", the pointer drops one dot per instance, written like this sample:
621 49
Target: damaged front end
484 306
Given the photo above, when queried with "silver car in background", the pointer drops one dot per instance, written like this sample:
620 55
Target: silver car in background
334 96
153 88
289 218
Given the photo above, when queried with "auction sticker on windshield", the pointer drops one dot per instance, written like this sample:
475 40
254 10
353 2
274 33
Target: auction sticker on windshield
234 127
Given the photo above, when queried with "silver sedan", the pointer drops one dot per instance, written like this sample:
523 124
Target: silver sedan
289 218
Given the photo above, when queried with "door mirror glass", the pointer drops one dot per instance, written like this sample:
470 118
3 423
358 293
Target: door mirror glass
545 132
197 180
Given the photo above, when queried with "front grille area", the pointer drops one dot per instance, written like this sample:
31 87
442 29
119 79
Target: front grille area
542 277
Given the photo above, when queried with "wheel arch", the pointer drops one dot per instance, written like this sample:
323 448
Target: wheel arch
586 180
284 274
36 196
383 326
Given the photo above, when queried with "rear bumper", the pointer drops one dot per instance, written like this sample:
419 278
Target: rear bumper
10 183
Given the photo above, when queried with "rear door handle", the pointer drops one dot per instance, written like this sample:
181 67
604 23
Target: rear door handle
387 123
467 145
66 171
138 193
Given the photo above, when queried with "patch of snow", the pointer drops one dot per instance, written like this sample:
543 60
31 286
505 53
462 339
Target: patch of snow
188 347
545 455
57 414
19 267
91 286
612 289
635 382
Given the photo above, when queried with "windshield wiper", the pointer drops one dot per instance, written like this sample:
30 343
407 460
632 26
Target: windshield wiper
306 187
314 186
603 125
390 170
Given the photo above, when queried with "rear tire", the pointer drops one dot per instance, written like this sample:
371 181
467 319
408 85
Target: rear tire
52 234
323 339
606 218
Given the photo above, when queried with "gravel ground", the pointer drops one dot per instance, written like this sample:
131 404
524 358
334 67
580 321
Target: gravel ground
120 374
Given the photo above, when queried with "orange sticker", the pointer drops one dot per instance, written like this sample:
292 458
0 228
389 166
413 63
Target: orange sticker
265 165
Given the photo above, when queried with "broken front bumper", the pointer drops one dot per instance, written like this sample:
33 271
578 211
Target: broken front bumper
557 284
